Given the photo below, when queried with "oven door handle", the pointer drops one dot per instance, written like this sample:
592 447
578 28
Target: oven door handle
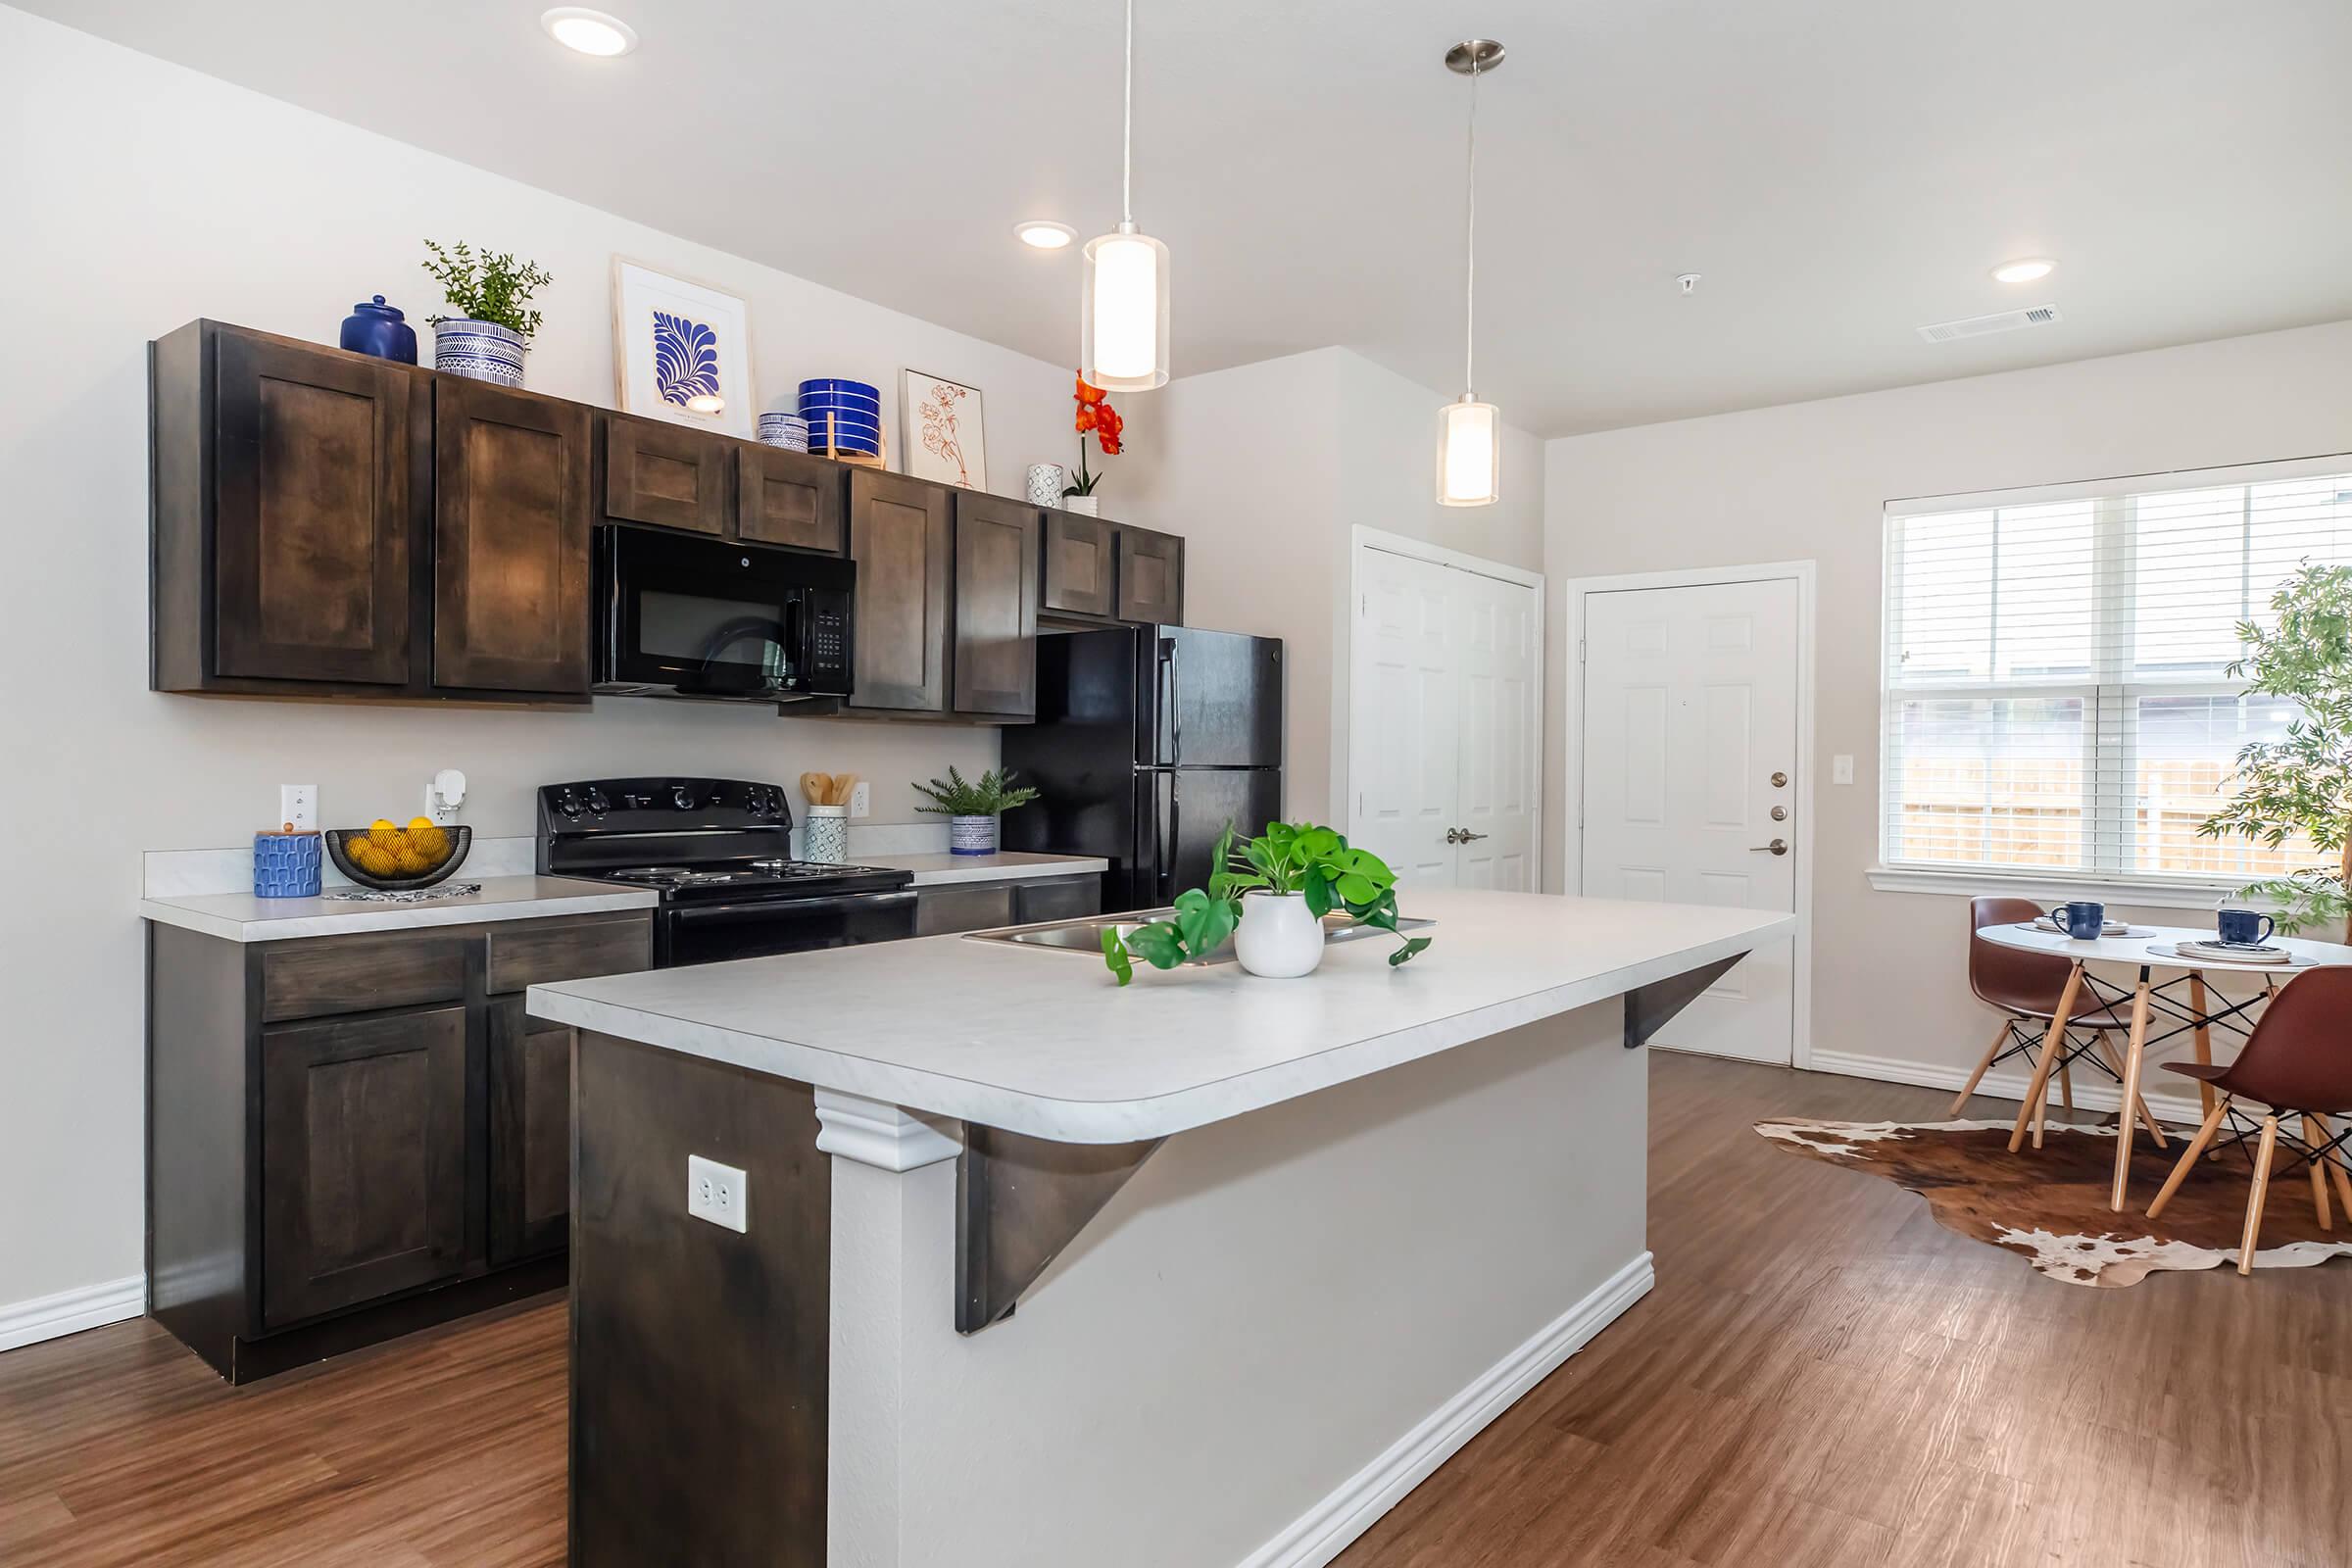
708 914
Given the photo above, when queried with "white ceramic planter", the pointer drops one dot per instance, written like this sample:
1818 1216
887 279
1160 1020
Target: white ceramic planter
1084 506
1279 936
971 834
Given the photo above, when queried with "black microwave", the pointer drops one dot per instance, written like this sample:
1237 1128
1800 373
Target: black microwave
681 616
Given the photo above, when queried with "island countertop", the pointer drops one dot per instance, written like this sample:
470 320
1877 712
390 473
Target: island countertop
1045 1043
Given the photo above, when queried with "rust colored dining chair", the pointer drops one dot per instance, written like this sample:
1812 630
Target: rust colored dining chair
2297 1062
2025 988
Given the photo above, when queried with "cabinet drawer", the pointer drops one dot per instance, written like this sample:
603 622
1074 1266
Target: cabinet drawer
664 473
525 954
320 976
942 912
1066 899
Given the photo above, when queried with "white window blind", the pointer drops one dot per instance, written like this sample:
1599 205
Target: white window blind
2055 695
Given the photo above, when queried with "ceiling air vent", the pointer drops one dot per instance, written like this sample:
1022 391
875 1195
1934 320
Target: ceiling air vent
1981 326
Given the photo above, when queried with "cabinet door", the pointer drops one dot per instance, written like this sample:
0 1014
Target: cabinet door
363 1159
1067 899
310 519
976 907
789 498
995 606
530 1132
510 540
1078 564
1151 577
899 536
664 473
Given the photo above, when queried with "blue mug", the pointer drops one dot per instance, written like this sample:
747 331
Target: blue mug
2082 921
2243 929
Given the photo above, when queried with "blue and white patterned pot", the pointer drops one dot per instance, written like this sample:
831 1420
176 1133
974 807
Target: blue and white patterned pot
971 834
787 430
826 834
287 865
482 351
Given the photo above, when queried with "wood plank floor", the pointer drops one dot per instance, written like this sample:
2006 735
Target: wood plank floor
1822 1377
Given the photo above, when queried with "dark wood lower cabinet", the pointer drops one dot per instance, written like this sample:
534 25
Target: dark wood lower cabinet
530 1132
363 1159
331 1163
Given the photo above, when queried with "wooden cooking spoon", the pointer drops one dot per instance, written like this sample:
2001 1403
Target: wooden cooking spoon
843 785
815 786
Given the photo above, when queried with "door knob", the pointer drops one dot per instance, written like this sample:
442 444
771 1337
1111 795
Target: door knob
1779 781
1453 835
1469 837
1462 835
1776 847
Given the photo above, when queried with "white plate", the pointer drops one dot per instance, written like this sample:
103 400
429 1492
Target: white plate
2195 954
2113 929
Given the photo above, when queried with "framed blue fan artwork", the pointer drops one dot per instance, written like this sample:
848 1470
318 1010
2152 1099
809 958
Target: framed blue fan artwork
681 351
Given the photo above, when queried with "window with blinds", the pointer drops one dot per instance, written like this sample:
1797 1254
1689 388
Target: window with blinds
2056 694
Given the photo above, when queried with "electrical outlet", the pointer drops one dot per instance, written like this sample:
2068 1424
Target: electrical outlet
862 799
715 1193
297 806
1841 768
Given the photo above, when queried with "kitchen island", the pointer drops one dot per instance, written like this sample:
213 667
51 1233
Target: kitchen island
1278 1247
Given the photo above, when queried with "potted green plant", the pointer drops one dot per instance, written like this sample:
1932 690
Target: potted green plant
2300 786
492 328
1269 893
972 805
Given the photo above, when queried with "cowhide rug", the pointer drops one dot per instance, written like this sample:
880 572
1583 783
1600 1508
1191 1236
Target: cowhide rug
2050 1204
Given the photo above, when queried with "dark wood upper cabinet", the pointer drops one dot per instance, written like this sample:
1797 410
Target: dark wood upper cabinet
664 473
362 1189
789 498
995 606
1079 559
1151 577
310 514
511 532
900 538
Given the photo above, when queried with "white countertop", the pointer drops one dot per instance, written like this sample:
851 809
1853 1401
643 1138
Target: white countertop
933 870
242 917
1044 1041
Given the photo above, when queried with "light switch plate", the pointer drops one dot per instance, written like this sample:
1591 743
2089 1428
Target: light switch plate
1841 768
715 1193
862 799
297 806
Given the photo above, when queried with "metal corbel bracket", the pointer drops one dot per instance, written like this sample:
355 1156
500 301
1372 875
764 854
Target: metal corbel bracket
1019 1201
1652 1007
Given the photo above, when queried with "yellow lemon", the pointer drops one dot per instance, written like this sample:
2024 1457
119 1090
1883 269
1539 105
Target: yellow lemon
382 822
409 862
419 824
430 842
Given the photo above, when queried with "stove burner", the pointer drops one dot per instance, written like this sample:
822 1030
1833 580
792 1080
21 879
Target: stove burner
674 876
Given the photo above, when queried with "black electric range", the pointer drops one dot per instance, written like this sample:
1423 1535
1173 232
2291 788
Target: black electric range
719 851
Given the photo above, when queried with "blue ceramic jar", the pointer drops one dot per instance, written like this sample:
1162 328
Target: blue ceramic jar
374 327
287 865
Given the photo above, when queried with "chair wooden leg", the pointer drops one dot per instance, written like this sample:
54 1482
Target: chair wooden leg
2262 1190
2065 1086
2000 1038
2041 1068
2188 1159
2336 1168
2319 1175
2198 1006
2134 1053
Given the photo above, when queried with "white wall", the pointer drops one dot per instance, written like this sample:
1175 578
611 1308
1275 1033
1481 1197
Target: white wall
1808 480
1265 467
143 195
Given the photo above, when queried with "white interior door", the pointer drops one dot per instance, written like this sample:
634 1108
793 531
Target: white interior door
1690 780
1444 722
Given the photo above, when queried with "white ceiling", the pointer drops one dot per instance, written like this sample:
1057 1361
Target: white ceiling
1840 170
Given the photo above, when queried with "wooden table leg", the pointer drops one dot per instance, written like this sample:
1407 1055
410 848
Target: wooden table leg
2319 1173
2124 1124
2196 1004
2115 1065
2051 1043
2262 1191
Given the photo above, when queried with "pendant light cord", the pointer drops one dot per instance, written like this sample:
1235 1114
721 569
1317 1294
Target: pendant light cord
1127 132
1470 247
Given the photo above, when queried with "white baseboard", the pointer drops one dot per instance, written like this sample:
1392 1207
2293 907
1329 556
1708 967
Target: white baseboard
1324 1531
2093 1091
86 1306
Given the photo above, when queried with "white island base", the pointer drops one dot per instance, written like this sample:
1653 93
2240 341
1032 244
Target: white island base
1284 1319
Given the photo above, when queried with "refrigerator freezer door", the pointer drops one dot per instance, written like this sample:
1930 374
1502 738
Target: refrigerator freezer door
1179 815
1210 698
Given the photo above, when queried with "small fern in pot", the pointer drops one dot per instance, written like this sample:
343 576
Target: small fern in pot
972 805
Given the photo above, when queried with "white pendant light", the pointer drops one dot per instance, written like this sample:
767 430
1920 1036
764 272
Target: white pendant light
1470 432
1123 315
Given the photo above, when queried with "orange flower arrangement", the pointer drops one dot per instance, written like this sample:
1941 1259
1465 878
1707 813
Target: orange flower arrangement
1098 418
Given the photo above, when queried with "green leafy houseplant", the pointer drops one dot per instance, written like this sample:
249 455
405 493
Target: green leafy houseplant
986 795
1289 858
490 287
2301 784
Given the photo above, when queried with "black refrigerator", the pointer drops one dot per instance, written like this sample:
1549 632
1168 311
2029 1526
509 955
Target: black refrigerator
1148 741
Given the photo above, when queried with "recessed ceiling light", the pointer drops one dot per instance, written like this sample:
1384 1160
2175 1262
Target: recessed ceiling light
591 33
1044 233
2024 270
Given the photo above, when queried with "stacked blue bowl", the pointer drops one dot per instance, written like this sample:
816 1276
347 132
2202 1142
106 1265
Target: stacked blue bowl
843 416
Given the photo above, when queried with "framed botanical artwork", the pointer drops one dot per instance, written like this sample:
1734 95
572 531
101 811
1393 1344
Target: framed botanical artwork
941 425
681 351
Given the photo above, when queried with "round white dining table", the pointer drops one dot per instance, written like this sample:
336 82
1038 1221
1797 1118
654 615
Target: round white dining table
2148 951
